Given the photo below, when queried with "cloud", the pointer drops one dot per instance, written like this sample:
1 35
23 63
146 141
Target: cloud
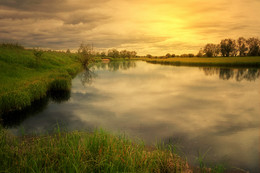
155 27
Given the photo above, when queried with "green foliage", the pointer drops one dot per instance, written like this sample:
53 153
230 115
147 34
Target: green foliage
86 55
60 84
11 45
37 53
22 82
83 152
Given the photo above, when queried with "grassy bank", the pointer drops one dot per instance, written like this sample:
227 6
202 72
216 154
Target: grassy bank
83 152
214 62
25 77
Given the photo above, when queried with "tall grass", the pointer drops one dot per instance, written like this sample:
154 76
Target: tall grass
25 78
83 152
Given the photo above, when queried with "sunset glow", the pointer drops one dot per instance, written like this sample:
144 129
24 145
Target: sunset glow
154 27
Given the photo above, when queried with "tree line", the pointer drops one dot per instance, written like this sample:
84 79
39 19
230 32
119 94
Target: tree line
114 53
230 47
226 48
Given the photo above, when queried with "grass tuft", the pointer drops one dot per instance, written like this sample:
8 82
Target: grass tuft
83 152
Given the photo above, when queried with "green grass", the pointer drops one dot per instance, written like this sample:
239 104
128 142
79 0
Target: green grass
24 78
83 152
215 62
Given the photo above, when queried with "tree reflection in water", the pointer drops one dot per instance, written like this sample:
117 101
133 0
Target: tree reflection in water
87 76
249 74
116 65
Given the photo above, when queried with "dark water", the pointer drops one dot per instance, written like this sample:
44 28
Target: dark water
201 110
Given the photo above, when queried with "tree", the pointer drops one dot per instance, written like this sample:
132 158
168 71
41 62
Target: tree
124 54
211 50
68 51
242 46
200 53
190 55
173 55
97 54
253 44
133 54
168 55
227 47
149 56
86 54
103 54
184 55
113 53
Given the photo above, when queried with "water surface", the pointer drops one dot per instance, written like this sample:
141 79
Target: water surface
214 110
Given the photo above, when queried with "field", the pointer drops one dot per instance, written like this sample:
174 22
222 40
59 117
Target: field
25 77
215 62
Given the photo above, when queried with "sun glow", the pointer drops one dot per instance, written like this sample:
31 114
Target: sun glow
154 27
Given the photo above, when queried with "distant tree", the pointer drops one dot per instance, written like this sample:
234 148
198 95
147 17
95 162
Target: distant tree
103 54
149 56
124 54
227 47
173 55
211 50
184 55
191 55
133 54
242 46
128 54
113 53
253 44
68 51
86 54
200 53
167 55
97 54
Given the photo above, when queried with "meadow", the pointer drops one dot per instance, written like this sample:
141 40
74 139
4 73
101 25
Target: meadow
27 76
209 62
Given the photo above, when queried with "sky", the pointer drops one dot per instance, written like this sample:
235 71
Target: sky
152 27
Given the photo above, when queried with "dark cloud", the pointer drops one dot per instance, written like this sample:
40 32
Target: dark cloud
147 26
52 6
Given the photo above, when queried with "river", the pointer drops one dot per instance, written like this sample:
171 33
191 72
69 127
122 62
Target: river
211 111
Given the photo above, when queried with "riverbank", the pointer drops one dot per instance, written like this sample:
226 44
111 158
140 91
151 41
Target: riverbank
25 77
245 62
83 152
